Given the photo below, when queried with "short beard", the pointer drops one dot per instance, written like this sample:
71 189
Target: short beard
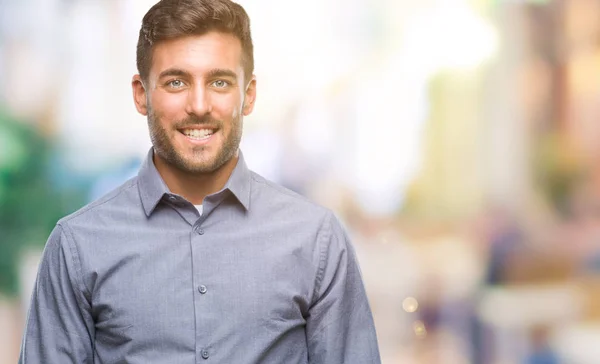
164 148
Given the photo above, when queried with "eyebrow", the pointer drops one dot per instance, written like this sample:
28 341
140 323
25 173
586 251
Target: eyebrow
219 72
214 73
173 72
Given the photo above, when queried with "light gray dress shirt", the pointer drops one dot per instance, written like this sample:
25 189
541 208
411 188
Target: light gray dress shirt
263 276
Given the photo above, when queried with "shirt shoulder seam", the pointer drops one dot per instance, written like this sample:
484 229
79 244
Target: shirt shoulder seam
323 250
284 191
98 203
76 262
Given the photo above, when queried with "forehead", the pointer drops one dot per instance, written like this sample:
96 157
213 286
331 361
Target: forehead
198 54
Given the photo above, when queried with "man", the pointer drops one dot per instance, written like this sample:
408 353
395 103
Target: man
198 259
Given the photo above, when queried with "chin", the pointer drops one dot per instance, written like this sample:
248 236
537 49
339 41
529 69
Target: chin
204 166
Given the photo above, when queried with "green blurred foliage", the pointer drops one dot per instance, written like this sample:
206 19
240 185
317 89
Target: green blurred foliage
30 204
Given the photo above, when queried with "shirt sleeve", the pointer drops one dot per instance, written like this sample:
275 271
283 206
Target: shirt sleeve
340 326
59 326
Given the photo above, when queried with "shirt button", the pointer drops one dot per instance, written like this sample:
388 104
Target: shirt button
199 230
172 198
204 354
202 289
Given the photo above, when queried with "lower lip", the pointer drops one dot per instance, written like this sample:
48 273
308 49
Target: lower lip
199 142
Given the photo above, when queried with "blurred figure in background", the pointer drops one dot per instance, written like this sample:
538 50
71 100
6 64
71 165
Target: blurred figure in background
542 352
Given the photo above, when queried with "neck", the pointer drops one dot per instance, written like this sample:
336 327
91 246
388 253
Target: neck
194 187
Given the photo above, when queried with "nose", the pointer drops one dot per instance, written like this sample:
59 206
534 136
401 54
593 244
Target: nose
198 101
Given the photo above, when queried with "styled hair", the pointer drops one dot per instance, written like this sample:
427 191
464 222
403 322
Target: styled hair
171 19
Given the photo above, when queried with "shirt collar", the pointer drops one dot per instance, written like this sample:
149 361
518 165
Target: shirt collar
152 187
239 182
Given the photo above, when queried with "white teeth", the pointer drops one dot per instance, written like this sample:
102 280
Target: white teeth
198 133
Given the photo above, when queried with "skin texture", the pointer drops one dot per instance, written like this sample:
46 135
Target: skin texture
195 82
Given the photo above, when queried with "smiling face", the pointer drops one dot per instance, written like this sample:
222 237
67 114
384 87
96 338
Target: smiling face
195 98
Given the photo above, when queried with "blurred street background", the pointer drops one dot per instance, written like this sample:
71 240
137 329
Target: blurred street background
458 141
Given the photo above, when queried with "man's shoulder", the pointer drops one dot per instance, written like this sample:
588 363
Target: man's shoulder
276 195
116 198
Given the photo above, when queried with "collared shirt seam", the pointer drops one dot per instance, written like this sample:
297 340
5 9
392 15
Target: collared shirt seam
76 262
284 191
323 249
92 206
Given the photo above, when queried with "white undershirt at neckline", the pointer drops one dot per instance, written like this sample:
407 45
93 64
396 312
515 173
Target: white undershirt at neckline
199 208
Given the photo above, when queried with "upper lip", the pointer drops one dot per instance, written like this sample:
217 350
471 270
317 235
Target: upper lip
198 127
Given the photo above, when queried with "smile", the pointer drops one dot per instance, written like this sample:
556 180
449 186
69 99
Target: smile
198 134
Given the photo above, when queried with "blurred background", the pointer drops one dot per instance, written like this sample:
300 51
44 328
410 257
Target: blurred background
458 141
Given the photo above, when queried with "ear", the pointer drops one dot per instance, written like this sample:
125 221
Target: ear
250 97
139 95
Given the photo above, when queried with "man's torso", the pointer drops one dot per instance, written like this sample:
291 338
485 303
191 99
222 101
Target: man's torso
232 285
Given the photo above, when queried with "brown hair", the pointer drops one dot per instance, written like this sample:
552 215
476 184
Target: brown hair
170 19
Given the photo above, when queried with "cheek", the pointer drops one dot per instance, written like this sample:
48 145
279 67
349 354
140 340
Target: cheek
169 106
227 108
235 113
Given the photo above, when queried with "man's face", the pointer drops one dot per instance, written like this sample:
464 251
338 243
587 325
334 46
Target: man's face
195 99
